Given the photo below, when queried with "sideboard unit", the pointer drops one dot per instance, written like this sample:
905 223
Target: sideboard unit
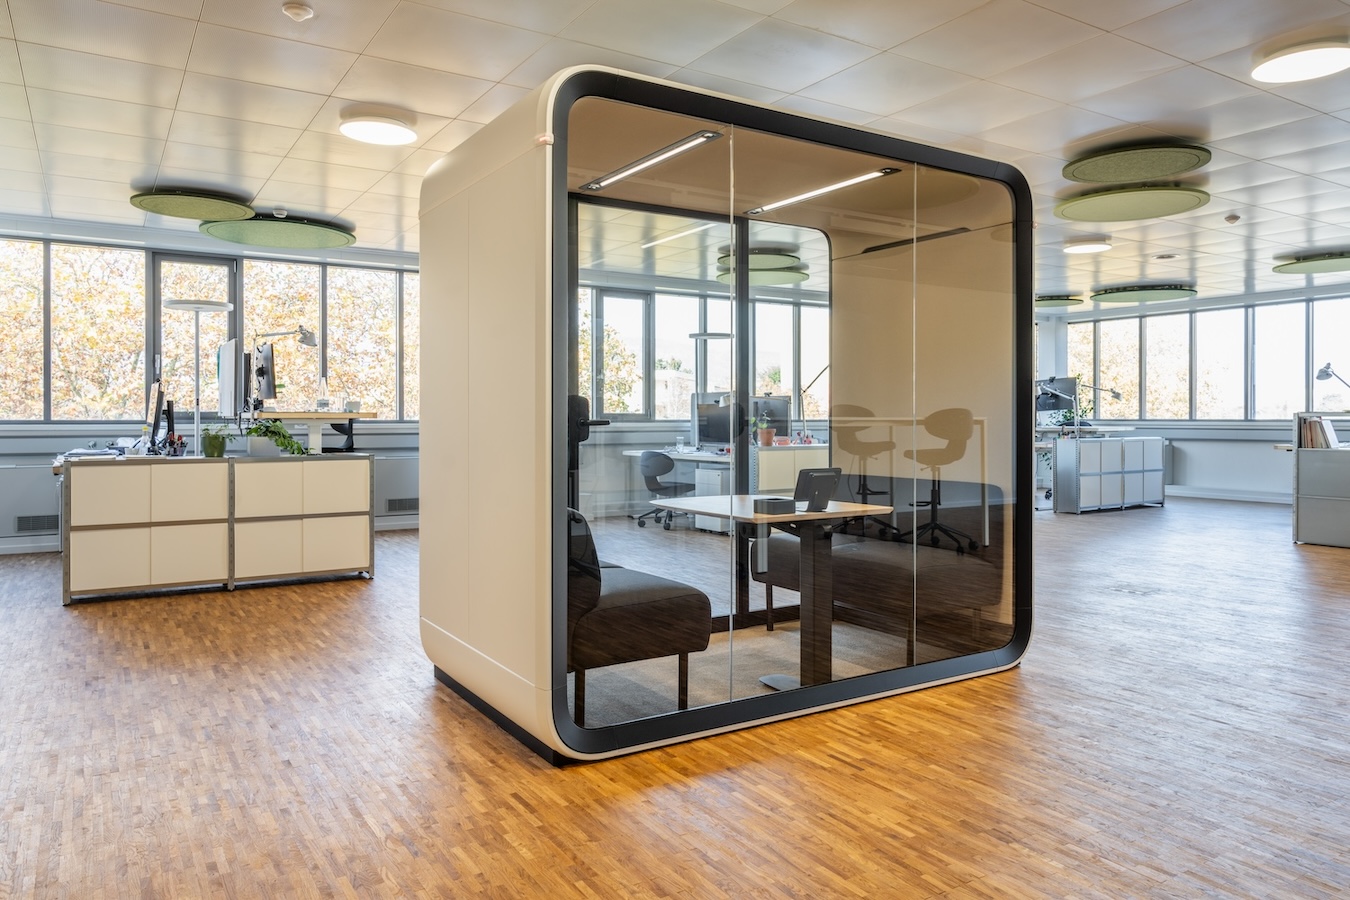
135 524
1107 473
1321 479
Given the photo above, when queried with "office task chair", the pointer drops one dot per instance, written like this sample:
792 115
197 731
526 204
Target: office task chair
955 426
847 436
617 615
349 431
651 464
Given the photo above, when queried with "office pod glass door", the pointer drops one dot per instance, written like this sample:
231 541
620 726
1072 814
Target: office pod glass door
831 512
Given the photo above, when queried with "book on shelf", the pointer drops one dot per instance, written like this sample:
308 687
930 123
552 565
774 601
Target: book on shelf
1318 434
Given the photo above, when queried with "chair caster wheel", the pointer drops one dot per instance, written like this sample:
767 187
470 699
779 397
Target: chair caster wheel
933 540
974 545
666 526
642 523
881 533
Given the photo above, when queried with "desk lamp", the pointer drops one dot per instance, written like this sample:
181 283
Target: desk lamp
198 307
1326 374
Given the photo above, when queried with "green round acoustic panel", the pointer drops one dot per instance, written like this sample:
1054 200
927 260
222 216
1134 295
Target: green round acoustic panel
289 234
1143 293
191 205
1057 300
1315 265
1129 204
1134 164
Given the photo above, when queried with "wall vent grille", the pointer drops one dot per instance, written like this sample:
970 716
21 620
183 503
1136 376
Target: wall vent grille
36 524
401 505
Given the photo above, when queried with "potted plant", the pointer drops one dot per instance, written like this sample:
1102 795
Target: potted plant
265 431
214 439
765 432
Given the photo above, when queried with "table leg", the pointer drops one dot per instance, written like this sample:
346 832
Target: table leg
817 611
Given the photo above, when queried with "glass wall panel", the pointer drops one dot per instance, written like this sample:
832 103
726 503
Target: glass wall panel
21 342
362 338
1118 369
718 352
1167 366
1220 364
1331 347
412 345
188 280
281 297
1279 360
98 333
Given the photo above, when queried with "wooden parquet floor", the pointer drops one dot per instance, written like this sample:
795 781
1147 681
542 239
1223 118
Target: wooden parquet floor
1179 729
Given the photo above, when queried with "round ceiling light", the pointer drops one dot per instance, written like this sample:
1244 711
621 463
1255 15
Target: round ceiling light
1132 164
191 205
378 125
1315 265
1129 204
290 234
765 258
768 276
1087 245
1057 300
1303 62
1143 293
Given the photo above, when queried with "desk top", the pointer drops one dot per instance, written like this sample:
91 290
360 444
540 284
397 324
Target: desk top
741 508
710 456
327 415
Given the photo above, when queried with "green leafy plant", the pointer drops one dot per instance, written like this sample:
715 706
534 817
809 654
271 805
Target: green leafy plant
274 431
220 429
760 421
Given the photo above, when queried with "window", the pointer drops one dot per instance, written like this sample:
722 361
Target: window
1279 360
21 347
622 354
98 333
281 297
718 376
1081 365
1331 327
361 328
1220 383
412 344
815 352
676 367
1118 355
191 280
774 349
1167 366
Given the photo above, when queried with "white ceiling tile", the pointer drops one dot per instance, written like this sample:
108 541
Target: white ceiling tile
6 21
399 184
349 27
1317 131
1052 130
226 162
1170 94
241 187
996 37
99 114
1201 29
1313 160
236 99
450 42
79 141
127 173
17 133
782 55
20 159
10 70
876 23
87 209
296 198
382 203
764 7
675 33
422 90
497 100
451 136
544 17
23 203
1240 178
13 102
976 108
263 59
885 84
305 171
818 109
325 147
218 131
418 162
559 54
1108 14
1097 64
752 92
99 76
1246 114
66 186
106 29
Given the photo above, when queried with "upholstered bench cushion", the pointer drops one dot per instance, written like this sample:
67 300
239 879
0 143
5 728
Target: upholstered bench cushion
637 612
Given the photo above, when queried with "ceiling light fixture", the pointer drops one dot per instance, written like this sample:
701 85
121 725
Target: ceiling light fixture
1303 61
1143 293
676 237
1133 164
758 210
1046 300
1315 265
385 125
1087 245
297 11
697 139
1129 204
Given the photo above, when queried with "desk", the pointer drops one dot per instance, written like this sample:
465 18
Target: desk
315 420
817 615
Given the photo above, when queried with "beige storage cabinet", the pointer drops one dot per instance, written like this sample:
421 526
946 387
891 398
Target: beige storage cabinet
136 524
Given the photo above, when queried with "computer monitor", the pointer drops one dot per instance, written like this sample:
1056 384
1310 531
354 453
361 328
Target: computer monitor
265 369
154 412
777 410
1056 393
227 378
711 421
